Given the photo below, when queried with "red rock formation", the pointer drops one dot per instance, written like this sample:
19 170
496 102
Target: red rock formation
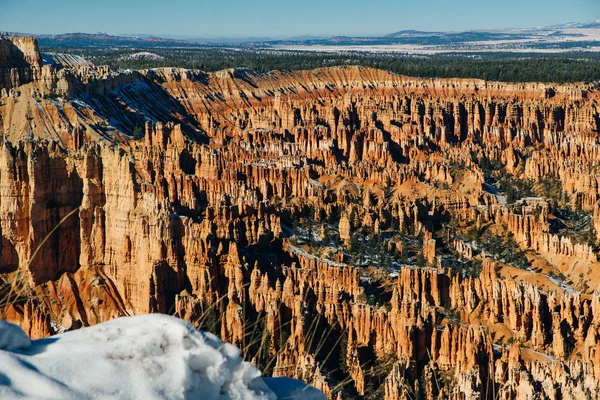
196 218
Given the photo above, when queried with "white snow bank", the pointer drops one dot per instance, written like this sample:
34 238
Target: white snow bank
292 389
12 337
143 357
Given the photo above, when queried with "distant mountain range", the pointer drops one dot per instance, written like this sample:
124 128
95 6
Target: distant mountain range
573 35
104 39
575 25
109 40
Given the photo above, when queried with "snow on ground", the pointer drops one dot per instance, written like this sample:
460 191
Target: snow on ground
304 253
492 190
316 183
143 357
12 338
429 50
65 60
501 347
561 284
291 389
142 55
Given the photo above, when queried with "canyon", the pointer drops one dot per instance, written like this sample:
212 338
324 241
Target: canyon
375 235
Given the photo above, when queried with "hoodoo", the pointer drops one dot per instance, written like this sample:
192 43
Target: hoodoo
362 231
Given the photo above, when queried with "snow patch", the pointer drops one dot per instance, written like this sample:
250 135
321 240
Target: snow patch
299 251
143 357
142 55
287 388
567 288
12 337
316 184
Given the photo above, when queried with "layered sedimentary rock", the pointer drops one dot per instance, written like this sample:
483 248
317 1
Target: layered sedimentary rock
19 61
181 192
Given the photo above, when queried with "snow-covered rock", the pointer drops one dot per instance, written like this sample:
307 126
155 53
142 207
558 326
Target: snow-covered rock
143 357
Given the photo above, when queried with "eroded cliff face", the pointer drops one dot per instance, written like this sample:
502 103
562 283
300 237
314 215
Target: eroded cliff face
344 226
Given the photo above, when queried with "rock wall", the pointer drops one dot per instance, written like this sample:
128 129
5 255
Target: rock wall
19 61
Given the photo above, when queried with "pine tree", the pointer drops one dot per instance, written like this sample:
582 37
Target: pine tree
326 236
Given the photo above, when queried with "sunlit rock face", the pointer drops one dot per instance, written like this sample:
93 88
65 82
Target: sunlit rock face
240 202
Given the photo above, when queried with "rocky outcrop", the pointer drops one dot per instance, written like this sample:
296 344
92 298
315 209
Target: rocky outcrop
19 61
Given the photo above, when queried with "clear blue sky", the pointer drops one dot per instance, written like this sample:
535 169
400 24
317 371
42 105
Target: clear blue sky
245 18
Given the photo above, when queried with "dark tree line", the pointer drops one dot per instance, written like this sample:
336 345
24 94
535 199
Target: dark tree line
559 68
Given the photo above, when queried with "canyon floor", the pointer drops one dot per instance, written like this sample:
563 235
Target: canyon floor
377 236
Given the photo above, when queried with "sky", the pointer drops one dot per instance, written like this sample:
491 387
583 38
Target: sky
284 18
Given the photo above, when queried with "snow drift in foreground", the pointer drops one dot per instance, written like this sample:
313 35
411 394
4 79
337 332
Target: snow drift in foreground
143 357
